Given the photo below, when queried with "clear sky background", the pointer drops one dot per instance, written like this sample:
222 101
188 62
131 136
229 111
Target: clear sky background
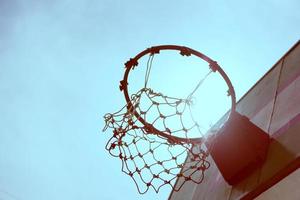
60 65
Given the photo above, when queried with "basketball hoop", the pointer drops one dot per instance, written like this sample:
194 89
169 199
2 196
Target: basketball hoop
156 156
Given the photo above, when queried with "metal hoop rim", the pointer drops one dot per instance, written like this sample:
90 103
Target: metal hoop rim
184 51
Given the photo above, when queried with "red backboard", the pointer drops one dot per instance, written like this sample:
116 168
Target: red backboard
273 105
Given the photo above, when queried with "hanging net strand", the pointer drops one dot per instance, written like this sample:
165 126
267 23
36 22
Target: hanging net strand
199 84
148 69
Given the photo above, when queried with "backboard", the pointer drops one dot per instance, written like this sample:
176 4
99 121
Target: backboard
273 105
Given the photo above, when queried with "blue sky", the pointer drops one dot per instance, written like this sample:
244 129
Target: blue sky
61 63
